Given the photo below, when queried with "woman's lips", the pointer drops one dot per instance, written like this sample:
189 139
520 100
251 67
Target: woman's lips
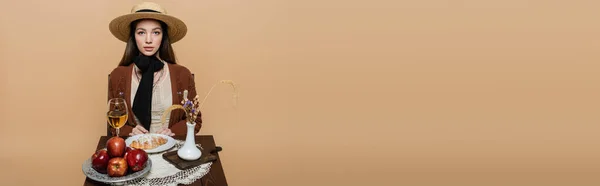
148 49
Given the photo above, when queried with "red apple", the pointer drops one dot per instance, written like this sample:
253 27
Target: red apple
116 147
136 159
127 150
100 161
117 167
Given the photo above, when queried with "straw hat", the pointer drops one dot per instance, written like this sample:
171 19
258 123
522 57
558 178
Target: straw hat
119 26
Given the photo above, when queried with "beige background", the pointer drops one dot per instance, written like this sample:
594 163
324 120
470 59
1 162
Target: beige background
428 92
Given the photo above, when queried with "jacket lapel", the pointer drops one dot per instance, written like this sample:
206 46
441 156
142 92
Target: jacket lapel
174 84
127 94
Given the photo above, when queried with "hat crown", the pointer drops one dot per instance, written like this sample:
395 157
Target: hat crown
148 6
120 26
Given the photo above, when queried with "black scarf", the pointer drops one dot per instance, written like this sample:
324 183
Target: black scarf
143 97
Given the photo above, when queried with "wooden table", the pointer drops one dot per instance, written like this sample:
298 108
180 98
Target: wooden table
215 177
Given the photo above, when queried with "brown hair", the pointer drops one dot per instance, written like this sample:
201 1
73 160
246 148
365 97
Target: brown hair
165 51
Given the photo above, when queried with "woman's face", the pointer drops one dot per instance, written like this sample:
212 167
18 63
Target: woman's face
148 36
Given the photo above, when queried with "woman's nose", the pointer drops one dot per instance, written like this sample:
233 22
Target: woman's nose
148 40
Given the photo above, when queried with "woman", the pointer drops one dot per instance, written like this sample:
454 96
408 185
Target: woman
148 77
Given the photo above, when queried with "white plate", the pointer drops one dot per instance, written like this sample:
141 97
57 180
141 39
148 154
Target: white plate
170 142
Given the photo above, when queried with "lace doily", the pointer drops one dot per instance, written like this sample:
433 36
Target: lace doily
164 173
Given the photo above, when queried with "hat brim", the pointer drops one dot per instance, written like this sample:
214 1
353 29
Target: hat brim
119 26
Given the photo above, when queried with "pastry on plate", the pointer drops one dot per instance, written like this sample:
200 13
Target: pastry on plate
148 142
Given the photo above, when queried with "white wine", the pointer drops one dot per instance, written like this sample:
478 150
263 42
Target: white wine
116 119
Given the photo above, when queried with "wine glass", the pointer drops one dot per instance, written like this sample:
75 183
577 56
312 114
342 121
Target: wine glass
117 113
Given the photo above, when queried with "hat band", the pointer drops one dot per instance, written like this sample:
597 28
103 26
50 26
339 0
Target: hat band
147 10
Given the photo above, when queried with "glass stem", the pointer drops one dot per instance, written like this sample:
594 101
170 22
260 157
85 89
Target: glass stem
117 134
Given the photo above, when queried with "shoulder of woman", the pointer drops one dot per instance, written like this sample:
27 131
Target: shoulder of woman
120 70
179 69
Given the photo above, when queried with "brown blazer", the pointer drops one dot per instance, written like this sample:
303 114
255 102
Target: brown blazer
181 79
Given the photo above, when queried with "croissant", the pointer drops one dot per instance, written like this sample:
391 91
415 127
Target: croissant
148 142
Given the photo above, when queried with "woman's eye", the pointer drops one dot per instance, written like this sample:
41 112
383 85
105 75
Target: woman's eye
140 33
157 33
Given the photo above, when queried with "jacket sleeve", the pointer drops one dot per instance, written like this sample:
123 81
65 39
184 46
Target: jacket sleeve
180 128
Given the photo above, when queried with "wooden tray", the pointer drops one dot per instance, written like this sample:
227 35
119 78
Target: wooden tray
207 156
